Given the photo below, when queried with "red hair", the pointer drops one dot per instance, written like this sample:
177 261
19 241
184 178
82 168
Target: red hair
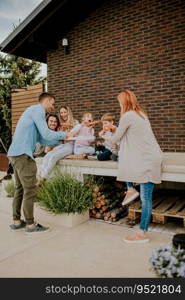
128 101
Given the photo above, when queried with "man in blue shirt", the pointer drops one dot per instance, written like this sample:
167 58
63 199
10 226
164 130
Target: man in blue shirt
31 129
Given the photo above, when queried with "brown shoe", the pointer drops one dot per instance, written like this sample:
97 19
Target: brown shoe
131 195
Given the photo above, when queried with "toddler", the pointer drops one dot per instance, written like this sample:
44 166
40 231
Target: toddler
84 134
105 150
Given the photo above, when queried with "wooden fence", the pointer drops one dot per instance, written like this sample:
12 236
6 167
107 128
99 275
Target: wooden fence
23 98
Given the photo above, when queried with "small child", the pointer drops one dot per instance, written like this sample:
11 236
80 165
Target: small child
85 135
104 149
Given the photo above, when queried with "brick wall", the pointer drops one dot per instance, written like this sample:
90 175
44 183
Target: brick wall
134 44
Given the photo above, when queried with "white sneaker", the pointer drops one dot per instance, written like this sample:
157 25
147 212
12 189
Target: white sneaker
130 196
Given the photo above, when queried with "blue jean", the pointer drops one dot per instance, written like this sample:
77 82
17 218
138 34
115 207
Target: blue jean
146 190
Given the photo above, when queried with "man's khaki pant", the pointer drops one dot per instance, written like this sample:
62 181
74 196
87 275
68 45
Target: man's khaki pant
25 171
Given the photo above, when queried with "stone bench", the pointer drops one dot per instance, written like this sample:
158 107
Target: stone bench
173 167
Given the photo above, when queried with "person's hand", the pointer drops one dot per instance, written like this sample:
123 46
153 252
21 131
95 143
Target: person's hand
66 126
48 148
102 136
114 147
101 133
98 143
69 135
113 128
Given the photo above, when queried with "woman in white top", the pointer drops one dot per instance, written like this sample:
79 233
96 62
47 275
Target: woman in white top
140 158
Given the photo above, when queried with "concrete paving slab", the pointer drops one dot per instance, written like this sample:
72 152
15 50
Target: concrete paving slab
92 249
89 250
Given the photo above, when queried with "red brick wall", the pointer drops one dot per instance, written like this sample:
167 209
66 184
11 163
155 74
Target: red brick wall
133 44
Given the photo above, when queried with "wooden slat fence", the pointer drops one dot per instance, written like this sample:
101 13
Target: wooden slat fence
23 98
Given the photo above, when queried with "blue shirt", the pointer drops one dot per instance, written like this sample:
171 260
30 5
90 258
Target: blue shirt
31 129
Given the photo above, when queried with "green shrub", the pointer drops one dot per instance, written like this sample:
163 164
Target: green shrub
10 189
64 194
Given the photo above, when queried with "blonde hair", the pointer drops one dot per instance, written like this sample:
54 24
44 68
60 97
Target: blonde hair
129 102
108 117
86 114
70 119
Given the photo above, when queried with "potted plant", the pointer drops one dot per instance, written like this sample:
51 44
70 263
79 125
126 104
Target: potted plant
168 261
67 200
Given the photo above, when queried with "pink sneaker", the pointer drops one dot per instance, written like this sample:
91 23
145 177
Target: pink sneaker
130 196
136 238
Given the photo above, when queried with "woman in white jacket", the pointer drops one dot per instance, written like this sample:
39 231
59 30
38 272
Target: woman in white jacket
140 158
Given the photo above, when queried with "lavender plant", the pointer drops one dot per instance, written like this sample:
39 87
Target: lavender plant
168 261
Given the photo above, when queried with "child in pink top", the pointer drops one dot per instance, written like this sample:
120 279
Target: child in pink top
84 134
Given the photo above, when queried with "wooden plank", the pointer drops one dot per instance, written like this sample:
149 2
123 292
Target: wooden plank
27 91
135 205
36 86
15 91
176 208
164 206
134 215
158 218
17 113
25 95
157 201
182 213
27 100
17 116
22 108
23 105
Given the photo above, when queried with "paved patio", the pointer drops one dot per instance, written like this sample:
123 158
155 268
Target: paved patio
92 249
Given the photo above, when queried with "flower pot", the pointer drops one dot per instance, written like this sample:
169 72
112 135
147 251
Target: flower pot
179 240
68 220
4 162
72 219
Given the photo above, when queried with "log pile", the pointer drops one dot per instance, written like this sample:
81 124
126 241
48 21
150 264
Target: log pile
107 201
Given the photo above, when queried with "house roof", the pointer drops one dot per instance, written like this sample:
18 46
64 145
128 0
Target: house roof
45 26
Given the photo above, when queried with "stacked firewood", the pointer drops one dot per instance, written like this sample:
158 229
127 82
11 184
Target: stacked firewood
107 201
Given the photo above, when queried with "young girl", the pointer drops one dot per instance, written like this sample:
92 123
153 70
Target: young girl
64 149
84 133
